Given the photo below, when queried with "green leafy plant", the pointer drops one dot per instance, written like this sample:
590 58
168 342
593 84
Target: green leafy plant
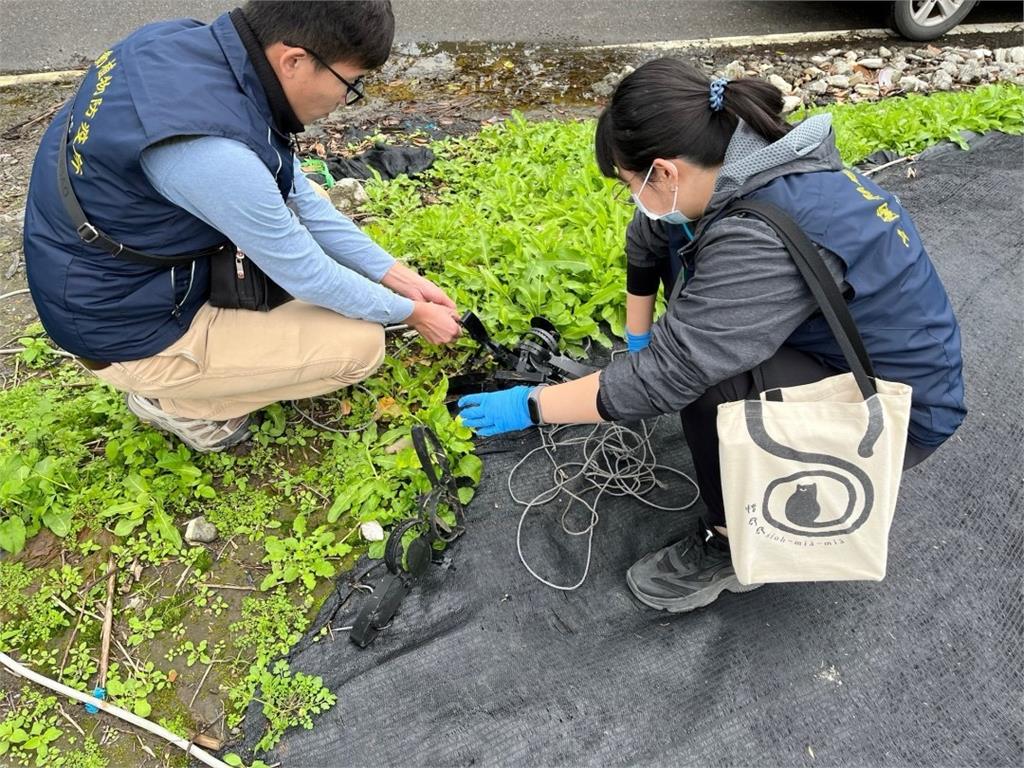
290 699
28 731
302 557
143 627
908 125
35 352
130 689
269 627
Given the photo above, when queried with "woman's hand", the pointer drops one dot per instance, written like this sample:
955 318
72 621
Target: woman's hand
639 316
637 341
494 413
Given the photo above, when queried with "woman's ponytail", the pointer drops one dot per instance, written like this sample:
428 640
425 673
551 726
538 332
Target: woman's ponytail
757 103
669 108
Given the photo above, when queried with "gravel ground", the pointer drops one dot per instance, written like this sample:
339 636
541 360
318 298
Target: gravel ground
446 90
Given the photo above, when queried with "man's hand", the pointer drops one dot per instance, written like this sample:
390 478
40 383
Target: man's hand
436 323
493 413
407 282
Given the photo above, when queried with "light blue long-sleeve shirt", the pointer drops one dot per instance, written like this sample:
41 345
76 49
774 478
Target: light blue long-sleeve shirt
316 254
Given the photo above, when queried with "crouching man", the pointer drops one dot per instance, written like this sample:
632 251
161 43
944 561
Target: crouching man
172 170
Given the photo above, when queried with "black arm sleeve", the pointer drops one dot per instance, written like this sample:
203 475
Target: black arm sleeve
642 281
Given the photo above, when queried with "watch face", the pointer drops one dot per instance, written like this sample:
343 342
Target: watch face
533 408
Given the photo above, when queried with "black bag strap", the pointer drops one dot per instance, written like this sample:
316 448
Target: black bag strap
93 235
822 285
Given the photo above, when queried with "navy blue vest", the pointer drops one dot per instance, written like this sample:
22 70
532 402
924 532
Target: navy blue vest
174 78
898 302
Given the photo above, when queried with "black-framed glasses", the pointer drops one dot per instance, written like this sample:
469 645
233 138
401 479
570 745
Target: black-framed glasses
355 90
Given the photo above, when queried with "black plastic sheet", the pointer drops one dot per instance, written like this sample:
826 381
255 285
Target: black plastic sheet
484 665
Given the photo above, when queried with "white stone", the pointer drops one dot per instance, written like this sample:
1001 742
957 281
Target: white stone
971 72
348 194
949 68
872 63
885 77
857 79
884 52
789 103
1016 55
981 53
911 83
199 530
607 85
843 67
942 80
813 72
819 60
816 86
867 90
371 531
734 70
838 81
134 603
780 83
850 55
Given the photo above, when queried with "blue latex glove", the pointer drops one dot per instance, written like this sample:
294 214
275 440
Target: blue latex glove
493 413
638 341
98 693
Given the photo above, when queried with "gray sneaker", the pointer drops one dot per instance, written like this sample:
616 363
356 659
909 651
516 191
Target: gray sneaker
202 435
687 575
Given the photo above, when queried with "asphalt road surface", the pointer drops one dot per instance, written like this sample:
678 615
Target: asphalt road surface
58 34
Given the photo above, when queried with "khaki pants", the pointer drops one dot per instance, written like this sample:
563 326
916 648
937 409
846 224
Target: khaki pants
234 361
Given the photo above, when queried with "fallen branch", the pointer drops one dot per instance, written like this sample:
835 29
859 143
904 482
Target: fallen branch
127 657
19 350
70 719
68 610
201 682
14 293
108 622
898 160
71 640
106 575
190 749
231 586
14 132
209 742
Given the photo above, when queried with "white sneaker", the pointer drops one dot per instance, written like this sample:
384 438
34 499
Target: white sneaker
203 435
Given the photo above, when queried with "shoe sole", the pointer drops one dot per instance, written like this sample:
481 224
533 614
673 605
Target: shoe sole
146 419
693 602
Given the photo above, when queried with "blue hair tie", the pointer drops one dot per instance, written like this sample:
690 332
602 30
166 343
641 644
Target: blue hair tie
716 93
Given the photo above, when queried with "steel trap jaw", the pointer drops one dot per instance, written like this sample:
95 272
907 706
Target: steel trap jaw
405 567
536 359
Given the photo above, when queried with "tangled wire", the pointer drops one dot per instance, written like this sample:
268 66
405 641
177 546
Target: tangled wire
616 461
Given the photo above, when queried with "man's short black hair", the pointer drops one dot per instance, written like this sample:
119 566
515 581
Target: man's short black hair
356 31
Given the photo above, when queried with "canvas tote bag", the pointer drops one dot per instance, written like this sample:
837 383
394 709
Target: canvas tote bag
810 474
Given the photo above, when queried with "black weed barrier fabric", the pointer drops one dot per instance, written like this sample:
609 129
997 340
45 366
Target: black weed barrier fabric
483 665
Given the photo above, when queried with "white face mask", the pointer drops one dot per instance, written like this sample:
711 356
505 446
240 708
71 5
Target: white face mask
672 216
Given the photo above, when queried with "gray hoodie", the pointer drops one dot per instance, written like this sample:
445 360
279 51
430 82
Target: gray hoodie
745 297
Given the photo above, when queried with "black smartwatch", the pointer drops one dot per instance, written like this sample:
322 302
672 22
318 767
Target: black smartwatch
533 405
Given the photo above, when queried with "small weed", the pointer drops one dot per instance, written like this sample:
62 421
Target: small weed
290 699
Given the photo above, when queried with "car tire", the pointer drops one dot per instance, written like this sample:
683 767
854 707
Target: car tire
927 19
